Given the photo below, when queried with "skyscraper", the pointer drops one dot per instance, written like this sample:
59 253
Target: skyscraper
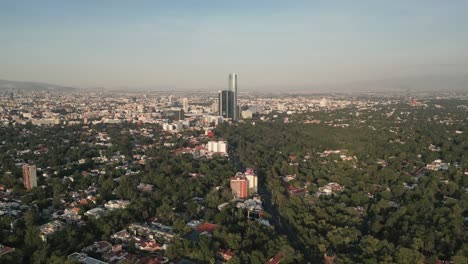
185 104
29 176
232 86
226 104
227 101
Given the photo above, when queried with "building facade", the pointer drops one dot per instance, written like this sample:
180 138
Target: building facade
239 187
226 104
252 178
29 176
175 114
185 105
217 146
232 86
227 100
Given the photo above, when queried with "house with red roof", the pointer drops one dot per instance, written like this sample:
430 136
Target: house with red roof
5 250
206 227
276 259
225 254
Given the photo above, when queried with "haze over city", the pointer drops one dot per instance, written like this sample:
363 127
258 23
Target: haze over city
272 45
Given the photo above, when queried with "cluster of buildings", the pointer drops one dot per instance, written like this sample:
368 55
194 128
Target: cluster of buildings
340 153
200 228
330 188
173 113
50 228
293 190
205 150
104 252
438 165
12 207
147 238
244 184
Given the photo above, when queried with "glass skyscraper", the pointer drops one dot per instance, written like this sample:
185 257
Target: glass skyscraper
226 104
228 107
232 86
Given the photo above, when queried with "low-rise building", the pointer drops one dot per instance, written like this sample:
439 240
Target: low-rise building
116 204
5 250
95 212
50 228
84 258
330 188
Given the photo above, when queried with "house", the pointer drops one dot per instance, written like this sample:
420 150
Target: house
330 188
145 187
202 229
206 227
116 204
276 259
102 246
114 256
122 235
148 245
95 212
438 165
50 228
5 250
225 254
83 258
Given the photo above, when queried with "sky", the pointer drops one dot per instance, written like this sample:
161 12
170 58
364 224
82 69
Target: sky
193 45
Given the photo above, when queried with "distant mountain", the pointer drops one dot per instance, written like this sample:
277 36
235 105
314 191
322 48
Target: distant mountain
33 86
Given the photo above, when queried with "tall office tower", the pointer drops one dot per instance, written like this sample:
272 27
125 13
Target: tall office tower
185 104
29 176
226 104
232 86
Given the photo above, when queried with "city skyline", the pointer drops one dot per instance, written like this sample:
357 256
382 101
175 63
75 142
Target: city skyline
119 176
273 45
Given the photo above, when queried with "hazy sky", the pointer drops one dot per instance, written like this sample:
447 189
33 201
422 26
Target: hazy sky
195 44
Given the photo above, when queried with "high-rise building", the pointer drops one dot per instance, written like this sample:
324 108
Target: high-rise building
252 178
175 114
226 104
185 104
227 100
217 146
232 86
239 186
29 176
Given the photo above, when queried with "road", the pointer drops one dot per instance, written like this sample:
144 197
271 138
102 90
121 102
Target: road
278 221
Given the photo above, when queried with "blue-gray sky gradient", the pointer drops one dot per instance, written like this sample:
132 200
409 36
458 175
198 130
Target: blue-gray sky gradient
195 44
